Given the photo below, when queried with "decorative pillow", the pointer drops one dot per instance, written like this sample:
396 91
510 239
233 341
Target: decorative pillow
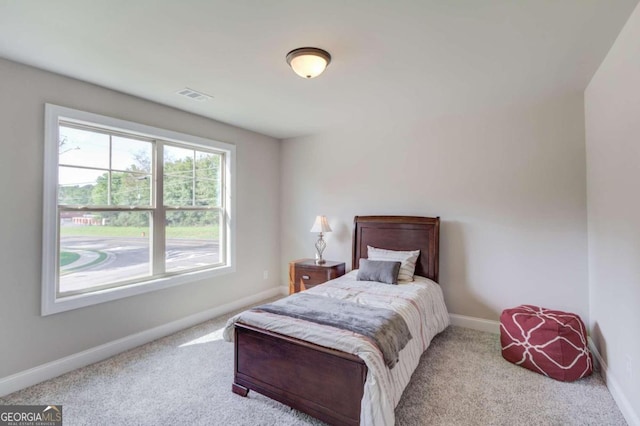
407 260
379 270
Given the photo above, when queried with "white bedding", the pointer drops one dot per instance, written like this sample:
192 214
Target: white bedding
420 304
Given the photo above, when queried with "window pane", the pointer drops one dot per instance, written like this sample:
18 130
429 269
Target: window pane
130 155
178 176
207 179
130 189
82 186
83 148
99 248
192 240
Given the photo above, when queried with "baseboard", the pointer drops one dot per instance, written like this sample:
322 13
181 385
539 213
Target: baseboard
628 411
55 368
475 323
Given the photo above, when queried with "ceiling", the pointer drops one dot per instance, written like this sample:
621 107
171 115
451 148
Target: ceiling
420 58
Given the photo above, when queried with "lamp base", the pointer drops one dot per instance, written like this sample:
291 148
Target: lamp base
320 246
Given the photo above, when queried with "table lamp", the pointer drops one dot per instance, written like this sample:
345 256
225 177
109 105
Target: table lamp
320 225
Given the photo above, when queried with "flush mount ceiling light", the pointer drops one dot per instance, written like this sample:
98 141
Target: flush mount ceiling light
308 62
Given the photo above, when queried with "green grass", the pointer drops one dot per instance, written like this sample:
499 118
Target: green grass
101 257
192 232
67 257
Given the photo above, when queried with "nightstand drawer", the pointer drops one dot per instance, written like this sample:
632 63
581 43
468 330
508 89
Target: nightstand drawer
307 278
304 274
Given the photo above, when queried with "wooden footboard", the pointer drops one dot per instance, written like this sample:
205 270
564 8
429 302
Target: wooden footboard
325 383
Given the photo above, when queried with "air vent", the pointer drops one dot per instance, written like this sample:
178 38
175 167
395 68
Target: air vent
193 94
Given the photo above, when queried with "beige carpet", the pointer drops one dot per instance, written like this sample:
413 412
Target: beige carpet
185 379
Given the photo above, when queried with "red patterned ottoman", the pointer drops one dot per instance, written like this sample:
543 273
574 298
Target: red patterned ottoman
552 343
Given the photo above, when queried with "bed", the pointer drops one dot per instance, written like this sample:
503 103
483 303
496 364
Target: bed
335 375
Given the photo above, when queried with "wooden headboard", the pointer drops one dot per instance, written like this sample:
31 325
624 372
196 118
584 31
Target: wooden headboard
399 233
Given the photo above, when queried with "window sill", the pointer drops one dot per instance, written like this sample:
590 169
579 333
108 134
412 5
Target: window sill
52 305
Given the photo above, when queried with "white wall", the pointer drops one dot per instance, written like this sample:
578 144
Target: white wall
612 116
509 185
26 338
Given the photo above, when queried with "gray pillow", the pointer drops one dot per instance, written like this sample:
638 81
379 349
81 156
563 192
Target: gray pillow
382 271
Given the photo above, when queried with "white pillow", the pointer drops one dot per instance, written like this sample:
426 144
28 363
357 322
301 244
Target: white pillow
407 260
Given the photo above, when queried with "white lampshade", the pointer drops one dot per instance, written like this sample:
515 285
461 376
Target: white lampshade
308 62
321 225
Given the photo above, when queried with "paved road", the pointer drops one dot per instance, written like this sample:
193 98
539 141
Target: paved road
127 258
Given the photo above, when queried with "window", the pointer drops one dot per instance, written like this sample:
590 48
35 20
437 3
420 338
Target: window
130 208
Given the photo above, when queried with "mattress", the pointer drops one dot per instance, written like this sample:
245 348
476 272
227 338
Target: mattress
420 303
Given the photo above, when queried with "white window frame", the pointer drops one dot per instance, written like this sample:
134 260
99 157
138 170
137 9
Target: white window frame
51 303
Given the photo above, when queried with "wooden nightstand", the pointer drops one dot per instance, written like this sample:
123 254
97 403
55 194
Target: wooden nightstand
304 273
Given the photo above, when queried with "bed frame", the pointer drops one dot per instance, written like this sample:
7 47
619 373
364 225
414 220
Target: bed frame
326 383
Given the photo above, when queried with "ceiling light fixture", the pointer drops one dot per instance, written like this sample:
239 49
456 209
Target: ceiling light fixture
308 62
